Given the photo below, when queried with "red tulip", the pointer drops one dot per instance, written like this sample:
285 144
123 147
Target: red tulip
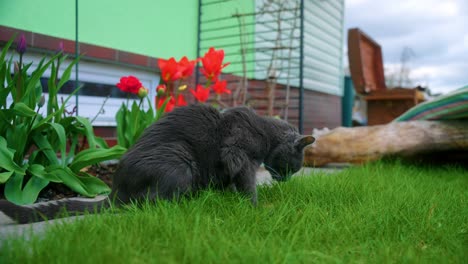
129 84
170 70
186 66
213 64
181 100
169 106
220 87
201 94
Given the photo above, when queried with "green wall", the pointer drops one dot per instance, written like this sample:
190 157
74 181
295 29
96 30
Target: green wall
323 46
51 17
220 29
157 28
166 28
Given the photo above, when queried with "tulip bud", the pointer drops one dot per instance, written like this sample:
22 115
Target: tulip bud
182 87
21 47
161 89
16 67
60 47
41 102
142 92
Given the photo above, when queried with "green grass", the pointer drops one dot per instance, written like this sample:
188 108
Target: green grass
382 212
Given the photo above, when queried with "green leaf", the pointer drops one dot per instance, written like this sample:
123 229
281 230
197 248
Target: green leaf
45 120
36 76
92 156
81 185
6 158
134 123
32 189
39 171
120 119
71 150
5 48
17 138
62 108
68 178
148 100
5 120
141 125
27 195
13 189
60 131
4 176
66 73
160 111
21 109
4 90
89 132
94 185
44 146
149 116
101 143
52 103
38 93
30 91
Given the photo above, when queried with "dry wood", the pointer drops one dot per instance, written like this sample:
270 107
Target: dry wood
361 144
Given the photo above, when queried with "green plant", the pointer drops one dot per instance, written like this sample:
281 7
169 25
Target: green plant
36 150
133 120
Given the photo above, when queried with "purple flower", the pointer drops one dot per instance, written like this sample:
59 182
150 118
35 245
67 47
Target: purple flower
60 48
21 47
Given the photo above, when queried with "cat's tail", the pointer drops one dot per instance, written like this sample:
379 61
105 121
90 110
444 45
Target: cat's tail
51 210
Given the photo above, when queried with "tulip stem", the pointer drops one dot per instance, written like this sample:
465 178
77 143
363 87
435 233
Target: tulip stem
34 118
141 102
19 84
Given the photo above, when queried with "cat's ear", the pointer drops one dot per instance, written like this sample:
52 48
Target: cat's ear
303 141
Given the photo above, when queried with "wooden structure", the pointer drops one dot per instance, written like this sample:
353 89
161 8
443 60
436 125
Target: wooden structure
367 73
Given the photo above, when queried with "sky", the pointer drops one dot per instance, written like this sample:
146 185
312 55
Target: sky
436 31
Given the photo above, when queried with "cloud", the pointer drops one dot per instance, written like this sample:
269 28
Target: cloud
435 31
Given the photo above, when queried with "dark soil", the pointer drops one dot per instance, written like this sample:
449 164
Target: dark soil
103 172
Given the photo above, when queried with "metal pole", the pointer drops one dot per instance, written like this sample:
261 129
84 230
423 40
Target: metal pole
77 52
197 77
301 72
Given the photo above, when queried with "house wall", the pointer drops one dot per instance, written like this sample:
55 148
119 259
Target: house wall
101 68
321 110
323 38
277 38
135 33
220 28
155 28
323 46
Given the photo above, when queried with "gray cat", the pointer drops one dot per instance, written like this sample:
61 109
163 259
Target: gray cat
191 149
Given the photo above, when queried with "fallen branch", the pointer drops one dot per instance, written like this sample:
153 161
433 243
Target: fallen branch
362 144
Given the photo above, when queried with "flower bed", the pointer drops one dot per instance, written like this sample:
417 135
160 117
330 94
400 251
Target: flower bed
53 155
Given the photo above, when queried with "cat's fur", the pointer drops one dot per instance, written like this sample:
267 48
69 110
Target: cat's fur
194 148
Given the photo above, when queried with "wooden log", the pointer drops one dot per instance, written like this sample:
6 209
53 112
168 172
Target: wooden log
407 139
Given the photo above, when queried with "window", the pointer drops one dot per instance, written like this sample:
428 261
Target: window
89 89
98 82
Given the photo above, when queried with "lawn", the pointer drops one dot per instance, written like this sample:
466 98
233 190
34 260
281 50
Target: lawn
381 212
